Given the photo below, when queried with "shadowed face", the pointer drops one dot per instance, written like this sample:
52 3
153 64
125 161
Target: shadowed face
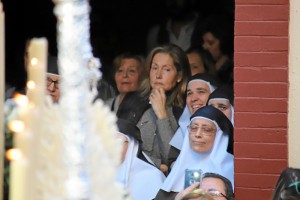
212 45
196 63
52 86
223 105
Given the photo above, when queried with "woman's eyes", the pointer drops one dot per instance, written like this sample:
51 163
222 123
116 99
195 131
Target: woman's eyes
167 69
222 107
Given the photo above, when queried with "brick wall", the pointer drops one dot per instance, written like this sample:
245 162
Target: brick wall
261 92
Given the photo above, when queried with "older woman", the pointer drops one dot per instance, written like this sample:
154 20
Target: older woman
199 87
128 74
204 148
168 70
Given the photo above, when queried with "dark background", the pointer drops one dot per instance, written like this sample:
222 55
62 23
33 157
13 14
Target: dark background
116 26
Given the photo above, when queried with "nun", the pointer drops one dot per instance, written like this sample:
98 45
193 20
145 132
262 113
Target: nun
206 147
136 173
222 98
199 87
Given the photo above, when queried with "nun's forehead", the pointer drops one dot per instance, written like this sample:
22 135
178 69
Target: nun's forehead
221 99
205 118
199 80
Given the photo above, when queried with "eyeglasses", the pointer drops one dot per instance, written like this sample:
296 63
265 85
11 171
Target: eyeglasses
205 130
50 81
216 193
297 185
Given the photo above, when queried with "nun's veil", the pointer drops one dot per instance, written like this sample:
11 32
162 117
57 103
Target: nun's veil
224 123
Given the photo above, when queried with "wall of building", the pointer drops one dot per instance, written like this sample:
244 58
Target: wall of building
261 95
294 85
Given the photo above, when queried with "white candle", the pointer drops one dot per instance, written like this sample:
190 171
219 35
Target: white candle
2 93
37 55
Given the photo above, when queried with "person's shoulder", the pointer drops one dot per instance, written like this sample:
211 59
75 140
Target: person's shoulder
163 195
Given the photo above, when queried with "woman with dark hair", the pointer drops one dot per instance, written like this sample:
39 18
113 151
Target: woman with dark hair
288 185
213 186
200 61
168 71
216 35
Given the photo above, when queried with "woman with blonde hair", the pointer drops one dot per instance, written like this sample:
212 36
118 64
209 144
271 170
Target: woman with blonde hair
164 87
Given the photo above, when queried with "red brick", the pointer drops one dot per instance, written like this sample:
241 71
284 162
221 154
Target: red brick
242 165
262 90
258 150
242 193
262 12
269 166
260 44
259 166
263 28
261 120
261 181
261 105
260 74
261 135
263 59
261 2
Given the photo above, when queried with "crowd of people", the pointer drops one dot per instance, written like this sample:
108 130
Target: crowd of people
175 110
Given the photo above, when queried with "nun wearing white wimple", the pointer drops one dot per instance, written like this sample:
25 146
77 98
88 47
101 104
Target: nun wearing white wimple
199 87
139 177
206 147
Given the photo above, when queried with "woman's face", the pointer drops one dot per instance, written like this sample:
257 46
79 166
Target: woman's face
202 133
127 76
163 73
197 95
212 45
196 63
223 105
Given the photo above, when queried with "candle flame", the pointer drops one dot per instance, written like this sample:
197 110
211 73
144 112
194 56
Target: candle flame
21 99
34 61
14 154
31 85
16 126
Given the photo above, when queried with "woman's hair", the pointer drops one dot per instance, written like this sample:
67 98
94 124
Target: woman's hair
207 59
288 185
227 184
222 28
177 96
139 58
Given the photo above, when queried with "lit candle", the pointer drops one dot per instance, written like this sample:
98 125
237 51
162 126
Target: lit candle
19 165
2 83
37 54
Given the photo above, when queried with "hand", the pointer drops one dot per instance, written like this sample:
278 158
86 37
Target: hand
164 168
158 101
187 190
